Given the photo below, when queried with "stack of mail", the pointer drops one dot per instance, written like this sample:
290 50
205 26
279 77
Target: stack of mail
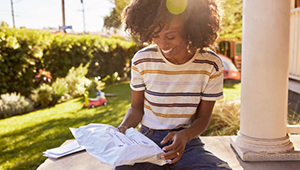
63 150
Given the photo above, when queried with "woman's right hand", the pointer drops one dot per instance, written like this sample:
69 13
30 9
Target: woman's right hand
122 129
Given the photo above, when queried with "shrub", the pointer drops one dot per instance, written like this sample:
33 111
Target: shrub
74 84
65 52
225 119
14 104
108 62
92 88
76 80
23 52
43 95
63 89
20 50
111 79
60 90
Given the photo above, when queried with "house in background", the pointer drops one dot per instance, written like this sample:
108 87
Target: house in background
233 50
294 58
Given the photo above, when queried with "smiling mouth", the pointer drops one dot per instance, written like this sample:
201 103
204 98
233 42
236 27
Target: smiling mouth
167 51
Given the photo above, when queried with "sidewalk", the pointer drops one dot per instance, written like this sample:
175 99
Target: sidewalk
219 145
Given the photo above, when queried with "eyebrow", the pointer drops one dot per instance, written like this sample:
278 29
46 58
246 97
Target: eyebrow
166 33
170 32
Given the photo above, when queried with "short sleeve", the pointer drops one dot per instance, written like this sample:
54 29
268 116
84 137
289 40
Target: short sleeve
137 81
214 87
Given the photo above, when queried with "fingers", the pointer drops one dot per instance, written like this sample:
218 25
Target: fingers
167 138
175 160
170 137
173 155
173 146
175 150
122 129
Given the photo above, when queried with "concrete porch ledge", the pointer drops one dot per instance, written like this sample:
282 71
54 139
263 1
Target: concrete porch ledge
219 145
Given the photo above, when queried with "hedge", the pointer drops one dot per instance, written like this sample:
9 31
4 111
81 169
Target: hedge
23 52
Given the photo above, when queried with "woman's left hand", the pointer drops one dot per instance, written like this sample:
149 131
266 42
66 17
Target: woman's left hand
176 149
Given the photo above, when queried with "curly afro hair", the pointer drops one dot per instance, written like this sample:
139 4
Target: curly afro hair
201 20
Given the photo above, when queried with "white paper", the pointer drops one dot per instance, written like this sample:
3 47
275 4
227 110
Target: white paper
109 146
63 150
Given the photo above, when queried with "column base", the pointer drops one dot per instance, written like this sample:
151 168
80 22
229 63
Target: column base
255 149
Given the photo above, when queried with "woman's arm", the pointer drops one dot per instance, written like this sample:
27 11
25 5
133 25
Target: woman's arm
201 122
181 138
135 113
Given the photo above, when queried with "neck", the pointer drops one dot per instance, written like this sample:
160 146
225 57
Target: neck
183 60
187 56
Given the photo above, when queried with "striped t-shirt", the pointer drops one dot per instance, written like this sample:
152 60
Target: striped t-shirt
173 92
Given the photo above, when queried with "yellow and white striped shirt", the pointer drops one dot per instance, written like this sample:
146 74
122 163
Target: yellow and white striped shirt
173 92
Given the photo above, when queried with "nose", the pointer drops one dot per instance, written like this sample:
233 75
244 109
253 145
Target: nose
163 43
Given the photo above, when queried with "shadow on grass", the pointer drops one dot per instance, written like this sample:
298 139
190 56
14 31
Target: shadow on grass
23 149
40 139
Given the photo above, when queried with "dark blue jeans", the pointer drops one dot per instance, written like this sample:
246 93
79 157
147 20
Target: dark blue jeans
195 157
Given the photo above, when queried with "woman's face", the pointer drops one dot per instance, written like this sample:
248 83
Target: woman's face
172 41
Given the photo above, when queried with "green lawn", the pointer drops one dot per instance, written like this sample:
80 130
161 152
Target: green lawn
24 138
232 91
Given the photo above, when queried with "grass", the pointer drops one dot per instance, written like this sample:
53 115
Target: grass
225 118
293 116
232 92
23 139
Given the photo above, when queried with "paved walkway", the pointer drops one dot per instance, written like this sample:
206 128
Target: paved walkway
219 145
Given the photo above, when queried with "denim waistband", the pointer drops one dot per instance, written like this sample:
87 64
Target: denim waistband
163 130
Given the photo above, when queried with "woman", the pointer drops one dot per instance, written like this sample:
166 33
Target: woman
176 81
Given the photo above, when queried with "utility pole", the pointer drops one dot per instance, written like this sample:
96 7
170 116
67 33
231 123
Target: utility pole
12 13
63 13
83 16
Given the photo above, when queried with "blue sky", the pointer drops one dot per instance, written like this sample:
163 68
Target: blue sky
39 14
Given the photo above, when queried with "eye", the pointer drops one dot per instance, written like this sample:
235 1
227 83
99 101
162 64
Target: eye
170 37
155 36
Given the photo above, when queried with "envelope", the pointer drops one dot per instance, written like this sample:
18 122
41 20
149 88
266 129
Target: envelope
112 147
63 150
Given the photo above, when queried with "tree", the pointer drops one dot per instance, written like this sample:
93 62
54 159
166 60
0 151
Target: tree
114 20
4 24
231 20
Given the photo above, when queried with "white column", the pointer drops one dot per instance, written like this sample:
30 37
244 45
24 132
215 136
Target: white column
264 96
265 68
